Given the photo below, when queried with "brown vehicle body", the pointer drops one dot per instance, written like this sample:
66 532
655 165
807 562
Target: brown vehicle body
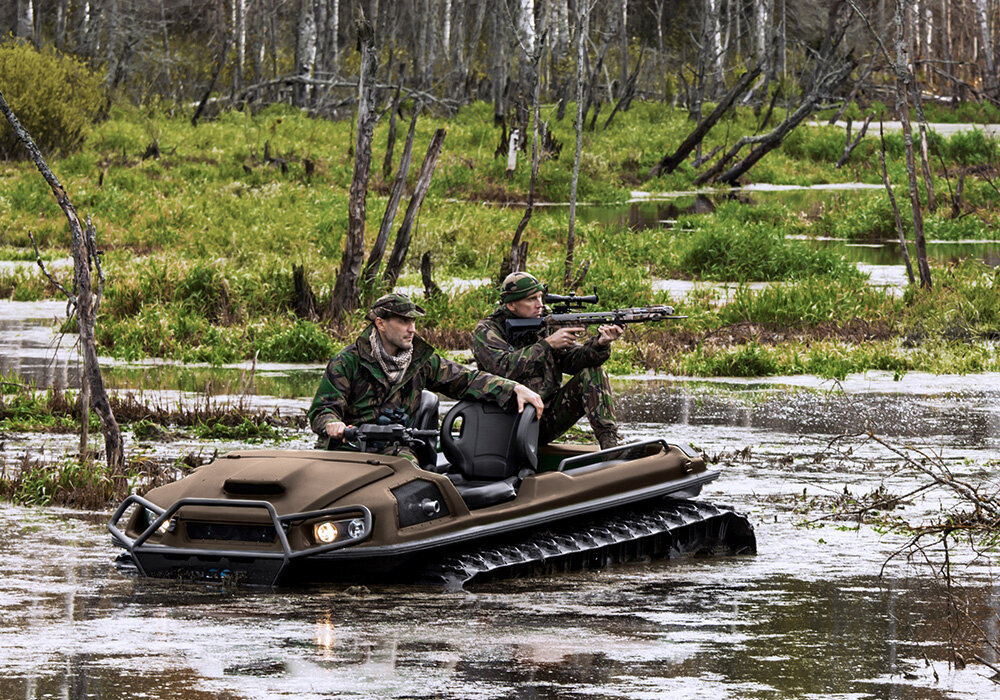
252 516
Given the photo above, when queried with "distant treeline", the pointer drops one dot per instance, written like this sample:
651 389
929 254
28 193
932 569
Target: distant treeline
449 52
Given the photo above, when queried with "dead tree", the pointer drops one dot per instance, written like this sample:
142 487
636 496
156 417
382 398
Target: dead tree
765 143
895 208
850 145
628 92
904 79
518 249
345 291
399 249
391 138
85 255
220 63
431 289
670 162
830 72
398 187
581 53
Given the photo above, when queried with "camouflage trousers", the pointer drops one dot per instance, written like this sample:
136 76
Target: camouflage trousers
587 393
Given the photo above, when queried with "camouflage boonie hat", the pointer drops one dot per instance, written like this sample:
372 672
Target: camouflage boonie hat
518 285
394 305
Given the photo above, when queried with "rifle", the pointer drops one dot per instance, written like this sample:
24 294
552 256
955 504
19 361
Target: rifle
562 316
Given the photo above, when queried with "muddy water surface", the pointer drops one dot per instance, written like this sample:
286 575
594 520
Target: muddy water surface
822 611
826 609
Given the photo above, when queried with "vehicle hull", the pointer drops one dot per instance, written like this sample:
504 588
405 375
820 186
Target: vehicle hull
251 517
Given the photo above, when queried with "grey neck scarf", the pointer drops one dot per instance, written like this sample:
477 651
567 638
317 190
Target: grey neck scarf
393 365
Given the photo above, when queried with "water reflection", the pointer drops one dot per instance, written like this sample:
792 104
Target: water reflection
813 614
662 212
941 413
31 349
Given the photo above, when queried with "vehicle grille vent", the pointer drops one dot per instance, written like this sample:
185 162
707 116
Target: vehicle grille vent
250 487
227 531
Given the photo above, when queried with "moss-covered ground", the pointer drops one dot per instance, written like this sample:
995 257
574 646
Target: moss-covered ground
199 243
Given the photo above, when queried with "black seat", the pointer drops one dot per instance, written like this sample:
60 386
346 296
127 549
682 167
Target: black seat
426 418
489 451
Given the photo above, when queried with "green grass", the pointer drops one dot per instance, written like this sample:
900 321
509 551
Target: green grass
199 245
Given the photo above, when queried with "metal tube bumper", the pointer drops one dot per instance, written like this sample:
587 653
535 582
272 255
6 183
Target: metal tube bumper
139 546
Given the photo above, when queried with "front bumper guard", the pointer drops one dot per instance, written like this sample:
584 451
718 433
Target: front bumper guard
256 567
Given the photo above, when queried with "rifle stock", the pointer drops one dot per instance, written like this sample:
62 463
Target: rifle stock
615 317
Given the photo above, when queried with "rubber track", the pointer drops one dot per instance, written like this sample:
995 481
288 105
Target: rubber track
672 529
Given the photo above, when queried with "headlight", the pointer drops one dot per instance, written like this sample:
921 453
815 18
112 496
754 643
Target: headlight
356 528
166 526
326 532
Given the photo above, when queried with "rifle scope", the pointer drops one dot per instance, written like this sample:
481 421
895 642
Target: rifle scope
570 299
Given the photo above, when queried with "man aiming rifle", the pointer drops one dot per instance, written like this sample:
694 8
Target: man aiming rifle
519 342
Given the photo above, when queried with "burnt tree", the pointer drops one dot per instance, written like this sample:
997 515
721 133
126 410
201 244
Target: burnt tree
345 291
399 249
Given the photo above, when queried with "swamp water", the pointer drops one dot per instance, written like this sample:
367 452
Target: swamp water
824 610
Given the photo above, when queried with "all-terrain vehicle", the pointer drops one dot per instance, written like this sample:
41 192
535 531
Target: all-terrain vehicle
488 504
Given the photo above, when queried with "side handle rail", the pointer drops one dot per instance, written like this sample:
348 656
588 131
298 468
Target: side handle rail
601 455
164 515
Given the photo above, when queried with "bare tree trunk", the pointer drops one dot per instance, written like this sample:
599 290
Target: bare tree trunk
166 41
211 85
903 86
581 50
517 249
390 144
660 62
345 291
851 145
715 45
111 57
24 22
62 8
240 30
670 162
946 45
84 254
431 289
623 38
895 207
305 51
399 249
558 26
333 28
446 31
989 65
378 250
86 35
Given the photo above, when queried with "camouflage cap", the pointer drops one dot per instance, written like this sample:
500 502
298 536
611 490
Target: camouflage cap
394 305
518 285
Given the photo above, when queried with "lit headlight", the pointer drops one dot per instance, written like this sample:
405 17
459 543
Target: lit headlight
325 532
356 528
164 527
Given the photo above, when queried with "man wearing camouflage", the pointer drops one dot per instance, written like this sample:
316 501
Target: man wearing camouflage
386 368
540 360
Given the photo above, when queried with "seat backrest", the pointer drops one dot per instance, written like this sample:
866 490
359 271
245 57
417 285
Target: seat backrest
426 418
490 444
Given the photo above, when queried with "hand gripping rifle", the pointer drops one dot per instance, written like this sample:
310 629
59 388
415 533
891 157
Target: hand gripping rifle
562 317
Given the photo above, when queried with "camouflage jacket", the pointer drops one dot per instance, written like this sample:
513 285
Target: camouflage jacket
354 388
528 359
